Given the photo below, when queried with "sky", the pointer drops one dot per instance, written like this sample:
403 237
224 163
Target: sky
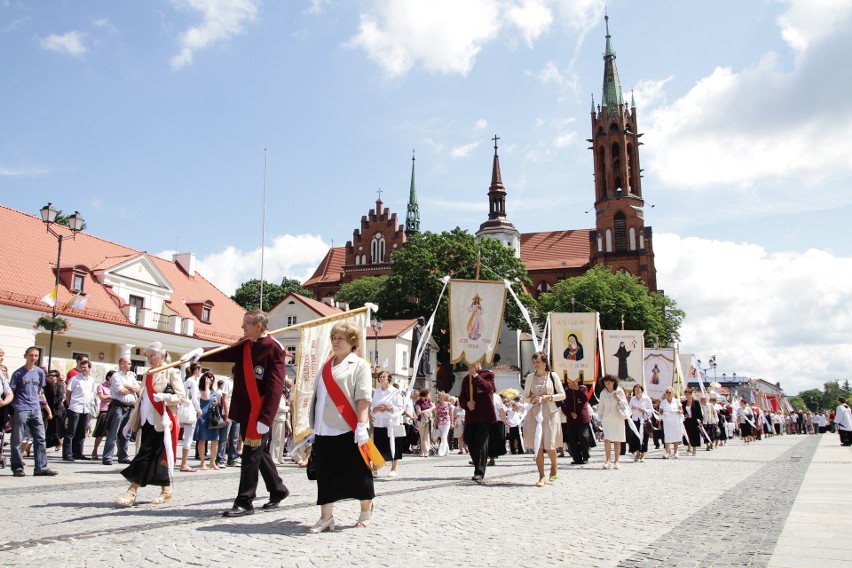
163 121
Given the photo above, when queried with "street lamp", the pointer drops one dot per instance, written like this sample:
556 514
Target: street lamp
76 224
376 324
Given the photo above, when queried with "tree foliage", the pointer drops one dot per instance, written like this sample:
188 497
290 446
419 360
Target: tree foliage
812 399
614 296
248 294
62 219
360 291
797 403
413 288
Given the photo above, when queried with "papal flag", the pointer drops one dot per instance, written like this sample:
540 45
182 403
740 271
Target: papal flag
76 302
476 316
50 299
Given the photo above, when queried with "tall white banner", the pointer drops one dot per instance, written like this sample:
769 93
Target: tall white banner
574 345
659 371
476 316
624 356
314 350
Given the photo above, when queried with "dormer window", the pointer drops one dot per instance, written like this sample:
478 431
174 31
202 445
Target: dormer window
77 281
205 314
201 309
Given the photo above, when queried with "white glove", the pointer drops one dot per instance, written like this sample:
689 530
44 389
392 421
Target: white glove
159 397
262 428
362 433
193 355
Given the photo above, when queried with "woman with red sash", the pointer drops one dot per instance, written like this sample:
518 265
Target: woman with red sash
340 415
155 419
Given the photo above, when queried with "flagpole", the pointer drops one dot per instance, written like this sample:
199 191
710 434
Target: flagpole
262 230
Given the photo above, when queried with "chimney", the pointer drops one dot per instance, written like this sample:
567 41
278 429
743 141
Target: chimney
186 262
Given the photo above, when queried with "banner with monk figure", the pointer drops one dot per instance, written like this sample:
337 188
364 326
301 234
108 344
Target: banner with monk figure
574 345
659 371
624 356
313 351
476 317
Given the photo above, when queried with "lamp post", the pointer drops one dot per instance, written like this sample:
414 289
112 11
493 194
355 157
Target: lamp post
376 324
75 223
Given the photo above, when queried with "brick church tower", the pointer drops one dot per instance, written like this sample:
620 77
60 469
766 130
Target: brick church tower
620 239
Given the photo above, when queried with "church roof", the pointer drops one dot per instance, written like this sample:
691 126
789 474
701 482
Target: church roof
28 256
330 269
555 249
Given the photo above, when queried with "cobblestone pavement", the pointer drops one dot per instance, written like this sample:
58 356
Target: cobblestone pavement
724 505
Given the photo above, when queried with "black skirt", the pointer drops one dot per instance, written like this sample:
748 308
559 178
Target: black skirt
341 471
380 437
149 466
693 432
100 425
497 440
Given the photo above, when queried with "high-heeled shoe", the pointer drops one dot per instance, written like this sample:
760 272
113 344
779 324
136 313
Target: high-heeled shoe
552 477
364 518
126 500
162 498
322 525
541 482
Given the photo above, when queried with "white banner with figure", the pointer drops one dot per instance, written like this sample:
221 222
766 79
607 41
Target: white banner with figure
624 356
314 350
659 371
476 316
573 345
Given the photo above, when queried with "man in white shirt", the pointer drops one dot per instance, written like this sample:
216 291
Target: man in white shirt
80 399
229 435
843 419
124 387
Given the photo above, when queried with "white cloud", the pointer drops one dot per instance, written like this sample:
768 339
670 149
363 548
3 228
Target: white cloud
481 123
532 18
464 151
808 20
316 7
293 256
221 20
106 25
22 171
72 43
564 140
753 309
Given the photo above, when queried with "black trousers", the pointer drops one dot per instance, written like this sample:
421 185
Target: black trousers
578 440
476 438
514 438
256 460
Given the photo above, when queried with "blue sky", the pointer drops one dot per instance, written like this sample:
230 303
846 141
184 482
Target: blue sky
151 119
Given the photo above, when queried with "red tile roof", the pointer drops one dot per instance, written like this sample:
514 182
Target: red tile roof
330 269
322 309
391 328
27 260
555 249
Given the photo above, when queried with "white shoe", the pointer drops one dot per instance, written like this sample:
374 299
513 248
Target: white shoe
607 465
393 473
615 465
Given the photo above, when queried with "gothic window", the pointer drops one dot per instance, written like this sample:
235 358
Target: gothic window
641 241
542 288
377 248
613 127
608 236
602 170
620 232
632 238
600 244
357 259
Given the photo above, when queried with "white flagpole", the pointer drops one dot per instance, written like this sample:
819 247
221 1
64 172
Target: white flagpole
263 230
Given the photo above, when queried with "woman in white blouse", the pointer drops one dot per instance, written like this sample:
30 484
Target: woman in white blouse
386 408
672 415
612 407
189 413
641 410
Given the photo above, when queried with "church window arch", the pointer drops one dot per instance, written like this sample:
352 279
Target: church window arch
608 239
602 169
641 241
542 287
631 238
377 248
600 244
613 127
620 232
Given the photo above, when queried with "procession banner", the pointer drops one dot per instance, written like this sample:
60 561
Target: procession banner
574 345
659 371
476 316
772 400
313 351
679 374
624 356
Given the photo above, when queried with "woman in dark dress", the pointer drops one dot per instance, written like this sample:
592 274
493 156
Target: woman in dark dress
692 418
54 394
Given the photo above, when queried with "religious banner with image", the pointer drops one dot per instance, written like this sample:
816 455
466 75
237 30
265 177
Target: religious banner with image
659 371
476 316
313 351
624 356
574 345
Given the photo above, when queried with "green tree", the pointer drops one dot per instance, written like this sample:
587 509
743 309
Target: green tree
248 295
812 399
360 291
413 288
62 219
830 393
797 402
292 285
614 296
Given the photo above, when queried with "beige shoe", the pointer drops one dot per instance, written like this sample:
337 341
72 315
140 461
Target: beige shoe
322 525
162 498
364 518
126 500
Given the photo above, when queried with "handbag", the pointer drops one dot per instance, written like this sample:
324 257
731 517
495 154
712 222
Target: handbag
186 413
215 420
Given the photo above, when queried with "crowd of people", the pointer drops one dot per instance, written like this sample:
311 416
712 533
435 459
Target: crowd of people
247 421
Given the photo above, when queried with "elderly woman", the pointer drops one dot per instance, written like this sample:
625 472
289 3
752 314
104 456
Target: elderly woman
641 410
343 382
672 414
542 390
155 418
612 409
745 421
386 407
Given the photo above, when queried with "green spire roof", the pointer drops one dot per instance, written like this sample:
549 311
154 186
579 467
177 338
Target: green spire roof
412 216
611 84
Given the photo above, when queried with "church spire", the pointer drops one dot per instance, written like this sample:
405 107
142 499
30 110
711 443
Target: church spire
498 226
612 96
412 217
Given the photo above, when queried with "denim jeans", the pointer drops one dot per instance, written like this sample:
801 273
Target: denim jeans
115 432
29 419
228 437
75 433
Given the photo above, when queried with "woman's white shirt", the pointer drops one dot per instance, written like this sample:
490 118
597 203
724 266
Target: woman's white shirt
638 404
669 410
389 397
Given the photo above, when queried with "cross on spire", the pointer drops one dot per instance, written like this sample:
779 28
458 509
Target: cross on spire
496 138
380 193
